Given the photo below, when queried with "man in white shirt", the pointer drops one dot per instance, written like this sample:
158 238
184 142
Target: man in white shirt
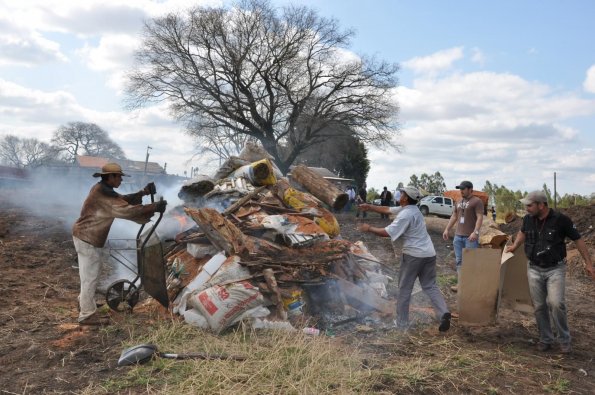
419 256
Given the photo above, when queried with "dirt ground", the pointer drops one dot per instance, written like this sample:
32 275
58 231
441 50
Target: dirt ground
43 350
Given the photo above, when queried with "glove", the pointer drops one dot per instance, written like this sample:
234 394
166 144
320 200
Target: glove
160 206
150 189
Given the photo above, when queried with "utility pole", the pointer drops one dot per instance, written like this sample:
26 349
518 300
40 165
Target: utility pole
555 190
147 159
146 162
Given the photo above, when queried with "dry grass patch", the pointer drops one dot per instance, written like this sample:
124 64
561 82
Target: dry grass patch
276 362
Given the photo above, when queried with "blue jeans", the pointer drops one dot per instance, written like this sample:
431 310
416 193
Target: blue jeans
547 292
459 243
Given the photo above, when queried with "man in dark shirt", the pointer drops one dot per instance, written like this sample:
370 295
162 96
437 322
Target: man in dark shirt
362 197
543 232
386 198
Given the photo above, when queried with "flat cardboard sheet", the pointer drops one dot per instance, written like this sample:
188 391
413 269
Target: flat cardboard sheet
491 280
514 284
479 286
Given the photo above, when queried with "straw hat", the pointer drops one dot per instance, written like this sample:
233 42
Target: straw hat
111 168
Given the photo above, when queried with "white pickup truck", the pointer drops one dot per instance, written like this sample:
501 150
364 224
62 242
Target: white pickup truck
437 205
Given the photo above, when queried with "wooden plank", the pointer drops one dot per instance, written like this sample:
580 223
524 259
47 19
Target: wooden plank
243 200
221 233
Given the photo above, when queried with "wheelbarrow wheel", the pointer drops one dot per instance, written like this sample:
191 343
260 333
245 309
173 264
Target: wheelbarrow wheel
122 295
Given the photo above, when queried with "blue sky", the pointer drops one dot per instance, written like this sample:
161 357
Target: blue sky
501 91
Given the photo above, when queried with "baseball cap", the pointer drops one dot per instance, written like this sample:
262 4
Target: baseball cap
412 192
465 184
534 197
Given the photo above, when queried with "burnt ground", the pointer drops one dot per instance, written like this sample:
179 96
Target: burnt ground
42 349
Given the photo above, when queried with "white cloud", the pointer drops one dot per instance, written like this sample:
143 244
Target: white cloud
438 61
114 52
488 126
478 57
22 46
589 84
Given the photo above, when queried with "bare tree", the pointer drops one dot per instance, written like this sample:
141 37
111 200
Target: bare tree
282 77
28 152
222 142
80 138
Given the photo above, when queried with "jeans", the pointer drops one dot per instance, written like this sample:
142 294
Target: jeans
425 269
459 243
547 292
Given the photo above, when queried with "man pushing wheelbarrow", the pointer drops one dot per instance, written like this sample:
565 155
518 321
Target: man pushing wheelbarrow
90 231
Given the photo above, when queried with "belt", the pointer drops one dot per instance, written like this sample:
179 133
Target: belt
547 265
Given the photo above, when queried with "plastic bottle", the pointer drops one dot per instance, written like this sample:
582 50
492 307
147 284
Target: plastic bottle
311 331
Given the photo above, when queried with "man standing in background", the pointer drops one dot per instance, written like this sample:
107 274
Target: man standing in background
362 197
468 217
386 198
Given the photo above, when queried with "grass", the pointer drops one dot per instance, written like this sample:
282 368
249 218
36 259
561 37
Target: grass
559 386
277 362
446 280
292 363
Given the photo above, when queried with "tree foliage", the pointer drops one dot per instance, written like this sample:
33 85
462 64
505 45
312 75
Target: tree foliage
280 76
345 156
80 138
506 200
432 184
373 194
25 152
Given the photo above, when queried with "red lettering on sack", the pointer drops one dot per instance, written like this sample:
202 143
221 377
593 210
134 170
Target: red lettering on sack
239 307
222 292
208 304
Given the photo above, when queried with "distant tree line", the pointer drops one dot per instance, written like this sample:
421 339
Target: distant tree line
506 200
432 184
68 141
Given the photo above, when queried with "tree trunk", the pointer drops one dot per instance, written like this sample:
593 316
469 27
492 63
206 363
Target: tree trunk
320 187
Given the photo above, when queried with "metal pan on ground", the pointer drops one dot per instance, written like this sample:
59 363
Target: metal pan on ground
145 352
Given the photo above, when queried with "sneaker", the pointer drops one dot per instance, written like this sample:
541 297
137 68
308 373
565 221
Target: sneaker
95 319
565 348
445 322
542 347
454 288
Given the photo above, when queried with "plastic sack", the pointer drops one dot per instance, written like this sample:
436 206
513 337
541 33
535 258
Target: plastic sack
193 317
222 305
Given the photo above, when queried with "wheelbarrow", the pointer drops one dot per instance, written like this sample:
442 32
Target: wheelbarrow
123 295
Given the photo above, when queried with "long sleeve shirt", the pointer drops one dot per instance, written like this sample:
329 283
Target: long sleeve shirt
100 209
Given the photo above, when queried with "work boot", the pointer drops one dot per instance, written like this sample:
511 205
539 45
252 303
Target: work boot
542 347
565 348
445 322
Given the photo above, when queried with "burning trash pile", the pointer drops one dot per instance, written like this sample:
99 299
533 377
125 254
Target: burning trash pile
267 251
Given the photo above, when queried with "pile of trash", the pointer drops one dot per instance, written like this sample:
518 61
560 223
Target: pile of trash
267 250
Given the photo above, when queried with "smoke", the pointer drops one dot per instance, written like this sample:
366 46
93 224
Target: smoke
58 194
